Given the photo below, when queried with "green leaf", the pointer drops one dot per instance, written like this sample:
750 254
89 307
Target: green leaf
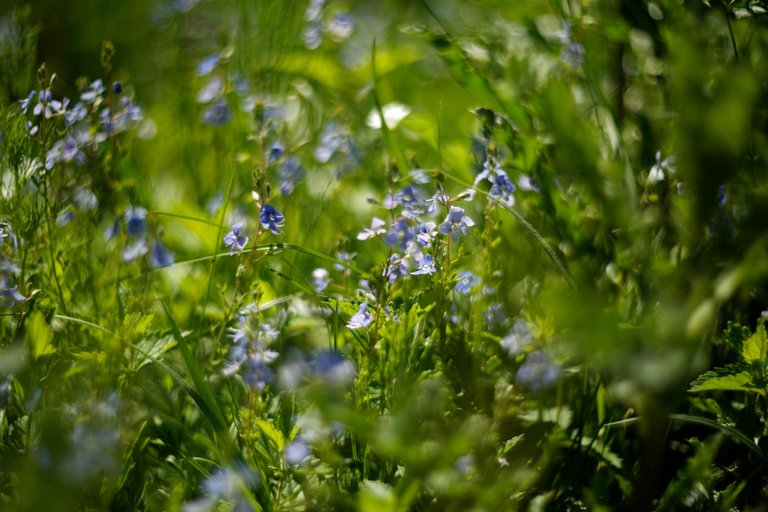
376 497
756 347
39 335
734 377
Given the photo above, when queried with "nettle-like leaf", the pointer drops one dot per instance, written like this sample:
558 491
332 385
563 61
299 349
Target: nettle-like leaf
755 349
733 377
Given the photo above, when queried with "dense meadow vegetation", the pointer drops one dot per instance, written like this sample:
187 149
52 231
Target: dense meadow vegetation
384 255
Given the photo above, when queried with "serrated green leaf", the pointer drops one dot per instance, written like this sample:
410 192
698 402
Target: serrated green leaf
271 432
756 347
734 377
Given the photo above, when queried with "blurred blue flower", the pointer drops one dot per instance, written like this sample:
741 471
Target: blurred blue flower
376 229
320 279
290 173
518 338
161 256
296 451
537 372
399 235
94 92
217 114
207 65
467 281
235 238
332 367
271 219
397 266
135 250
135 220
362 319
341 26
425 233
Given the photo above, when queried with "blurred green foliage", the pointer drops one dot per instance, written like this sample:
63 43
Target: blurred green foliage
607 352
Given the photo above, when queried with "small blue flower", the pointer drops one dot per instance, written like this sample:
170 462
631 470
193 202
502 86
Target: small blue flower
467 281
135 250
341 25
135 220
26 102
94 92
332 367
518 338
207 65
296 451
426 266
271 219
399 235
425 233
117 87
235 238
537 372
320 279
217 114
275 151
290 173
376 229
161 256
362 319
396 267
456 222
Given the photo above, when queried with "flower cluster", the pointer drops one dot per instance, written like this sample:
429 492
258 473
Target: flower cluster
9 293
134 221
338 27
83 126
249 353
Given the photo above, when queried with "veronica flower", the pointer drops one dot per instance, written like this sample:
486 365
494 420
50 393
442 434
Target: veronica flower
290 173
376 229
341 26
207 65
26 102
399 235
271 219
217 114
426 266
161 256
518 338
135 250
456 222
235 238
296 451
537 372
94 92
396 267
320 279
362 319
135 220
467 281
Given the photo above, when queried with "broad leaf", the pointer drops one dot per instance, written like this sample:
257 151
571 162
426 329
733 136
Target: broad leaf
734 377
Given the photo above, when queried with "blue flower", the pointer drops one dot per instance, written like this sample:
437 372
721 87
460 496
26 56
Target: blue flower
217 114
26 102
271 219
94 92
467 281
290 173
396 267
363 318
399 235
425 233
426 266
207 65
161 256
135 250
235 238
296 451
135 220
341 25
537 372
332 367
376 229
320 279
518 338
275 151
456 222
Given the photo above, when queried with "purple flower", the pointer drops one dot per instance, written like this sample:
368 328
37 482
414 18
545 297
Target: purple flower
399 235
235 238
271 219
397 267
